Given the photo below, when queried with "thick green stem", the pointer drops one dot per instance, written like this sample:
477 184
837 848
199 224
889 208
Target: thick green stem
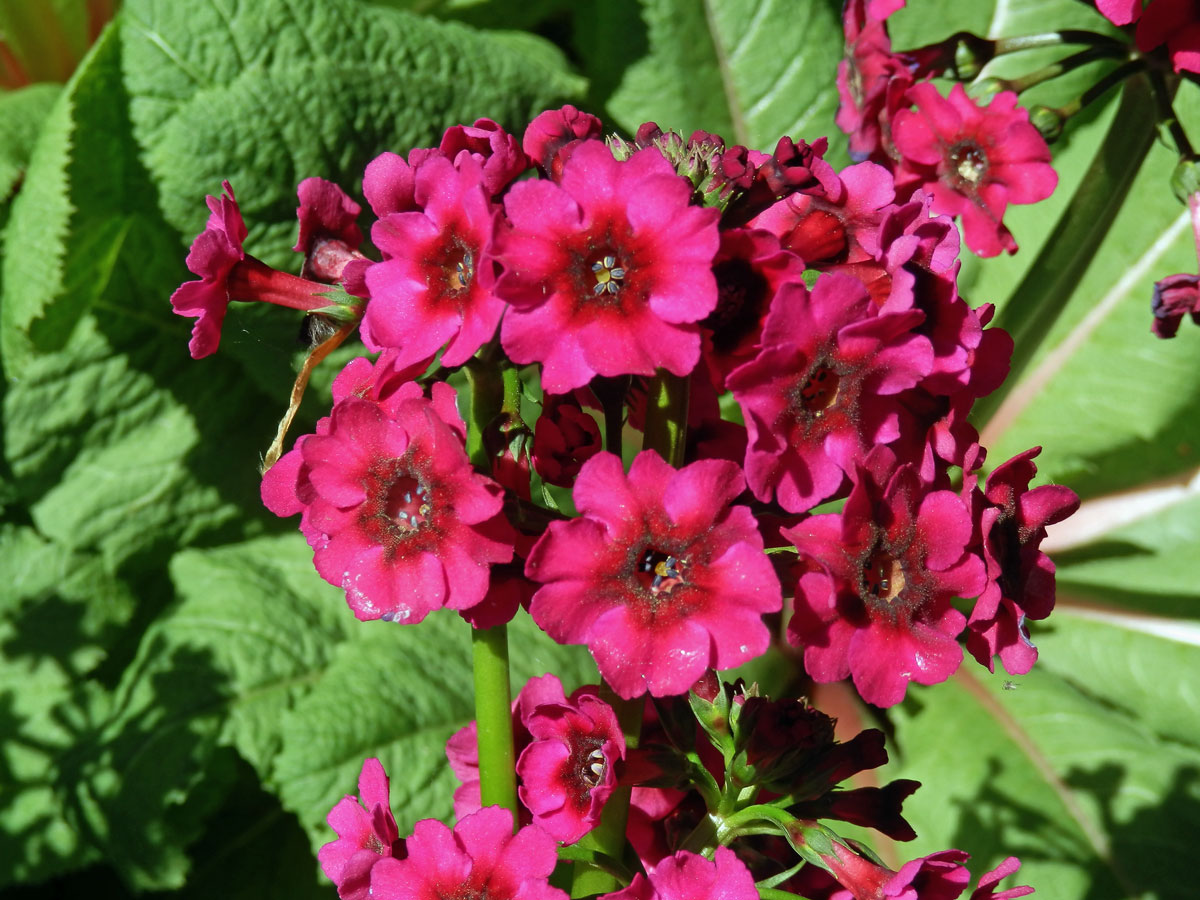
1053 39
1043 293
1062 66
666 417
493 718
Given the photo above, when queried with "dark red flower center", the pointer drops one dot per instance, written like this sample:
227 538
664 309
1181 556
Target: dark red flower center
659 573
457 266
741 296
966 164
882 576
399 504
819 391
585 767
408 504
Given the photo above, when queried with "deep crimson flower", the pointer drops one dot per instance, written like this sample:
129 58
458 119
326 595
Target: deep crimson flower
567 771
659 575
564 438
554 134
974 160
329 233
462 750
1175 296
435 283
1020 577
686 876
750 267
792 168
393 510
1175 23
481 859
876 603
366 831
228 273
609 272
497 152
822 390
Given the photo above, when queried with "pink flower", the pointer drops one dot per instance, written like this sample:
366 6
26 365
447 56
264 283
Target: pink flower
659 576
871 80
1175 296
481 859
938 876
393 510
686 876
496 151
366 831
554 134
435 283
1175 23
609 272
228 273
567 771
876 603
821 392
329 233
1020 577
974 160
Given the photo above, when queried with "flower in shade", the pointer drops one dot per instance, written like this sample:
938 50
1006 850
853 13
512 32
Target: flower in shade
660 576
481 859
1175 23
228 273
821 391
876 601
567 771
366 831
564 439
1020 577
609 272
435 283
974 160
687 876
1175 296
394 512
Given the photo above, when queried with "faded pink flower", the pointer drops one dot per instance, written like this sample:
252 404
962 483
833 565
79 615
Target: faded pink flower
660 576
609 272
567 771
435 283
974 160
366 831
876 602
481 859
687 876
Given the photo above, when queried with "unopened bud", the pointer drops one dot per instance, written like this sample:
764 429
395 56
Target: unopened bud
984 90
1049 122
1185 180
971 54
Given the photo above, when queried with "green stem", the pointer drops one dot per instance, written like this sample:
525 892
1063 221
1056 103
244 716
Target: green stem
1062 66
666 417
775 894
1163 96
1054 39
1035 305
493 718
487 393
1102 87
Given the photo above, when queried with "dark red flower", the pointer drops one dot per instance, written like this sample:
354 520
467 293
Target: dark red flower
554 134
564 438
1175 296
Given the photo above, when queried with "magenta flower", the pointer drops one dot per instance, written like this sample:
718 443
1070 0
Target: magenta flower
659 576
228 273
329 233
974 160
686 876
1175 23
564 438
366 831
567 771
1020 577
481 859
497 152
1175 296
394 512
553 135
876 602
609 272
871 80
938 876
822 390
435 283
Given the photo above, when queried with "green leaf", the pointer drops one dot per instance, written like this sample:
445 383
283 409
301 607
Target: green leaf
23 112
267 94
1064 769
749 71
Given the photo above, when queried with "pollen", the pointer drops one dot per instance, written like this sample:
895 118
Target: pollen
608 276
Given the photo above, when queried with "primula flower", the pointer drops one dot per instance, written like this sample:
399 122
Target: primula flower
1175 23
821 392
871 79
481 859
228 273
686 876
567 771
1175 296
329 233
609 272
366 831
877 602
659 575
1020 577
394 512
553 135
435 283
974 160
938 876
564 438
496 151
